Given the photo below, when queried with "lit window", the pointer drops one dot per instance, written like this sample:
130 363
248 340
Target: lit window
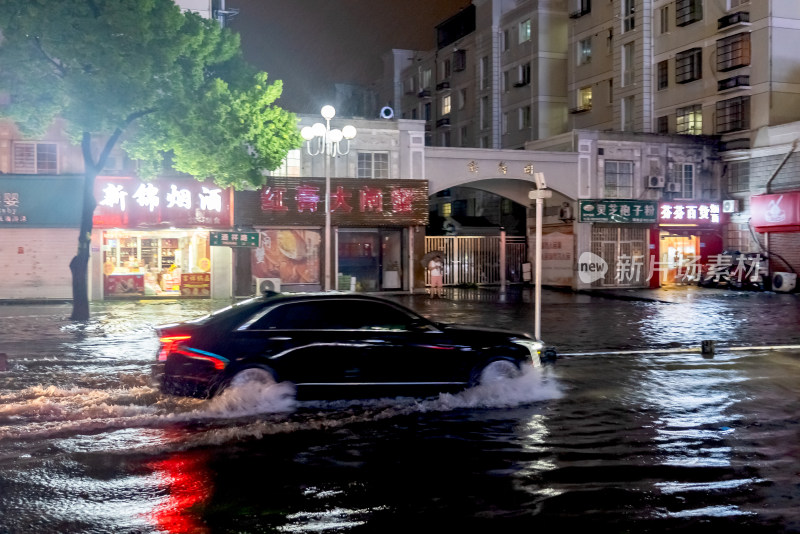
446 105
585 98
689 120
525 31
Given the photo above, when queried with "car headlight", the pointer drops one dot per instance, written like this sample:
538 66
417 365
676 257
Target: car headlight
534 347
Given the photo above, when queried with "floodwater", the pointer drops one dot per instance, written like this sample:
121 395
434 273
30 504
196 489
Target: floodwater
629 431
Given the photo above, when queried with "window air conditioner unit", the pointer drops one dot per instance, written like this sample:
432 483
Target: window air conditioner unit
655 181
268 284
730 206
784 282
673 187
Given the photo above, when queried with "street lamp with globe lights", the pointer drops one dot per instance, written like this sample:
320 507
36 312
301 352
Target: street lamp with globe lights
320 139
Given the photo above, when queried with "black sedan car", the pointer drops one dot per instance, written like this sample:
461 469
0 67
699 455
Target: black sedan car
334 345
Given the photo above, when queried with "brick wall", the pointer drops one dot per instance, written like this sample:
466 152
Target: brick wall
35 263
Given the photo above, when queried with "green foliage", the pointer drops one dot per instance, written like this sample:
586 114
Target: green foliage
173 82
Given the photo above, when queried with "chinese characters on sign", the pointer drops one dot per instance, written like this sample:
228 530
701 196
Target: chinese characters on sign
689 213
196 284
126 202
234 239
617 211
291 201
9 209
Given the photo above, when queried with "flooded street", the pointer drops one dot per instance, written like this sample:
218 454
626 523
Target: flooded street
629 431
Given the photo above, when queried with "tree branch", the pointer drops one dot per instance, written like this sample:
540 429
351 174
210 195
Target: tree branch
59 67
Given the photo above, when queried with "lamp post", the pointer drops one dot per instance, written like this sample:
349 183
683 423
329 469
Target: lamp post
320 139
539 194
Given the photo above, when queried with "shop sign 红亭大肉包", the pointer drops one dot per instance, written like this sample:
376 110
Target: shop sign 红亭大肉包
617 211
294 201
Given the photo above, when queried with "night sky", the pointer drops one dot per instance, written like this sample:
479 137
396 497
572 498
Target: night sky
312 44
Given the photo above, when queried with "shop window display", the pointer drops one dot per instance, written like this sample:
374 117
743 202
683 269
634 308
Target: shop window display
165 263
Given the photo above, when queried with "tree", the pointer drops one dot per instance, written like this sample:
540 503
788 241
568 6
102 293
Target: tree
171 88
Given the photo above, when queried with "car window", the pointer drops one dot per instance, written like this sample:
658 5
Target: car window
333 314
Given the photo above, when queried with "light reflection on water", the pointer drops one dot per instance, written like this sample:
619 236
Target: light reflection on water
649 440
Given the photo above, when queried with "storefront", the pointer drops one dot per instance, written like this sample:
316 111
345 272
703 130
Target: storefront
618 253
152 239
39 221
688 234
777 218
373 228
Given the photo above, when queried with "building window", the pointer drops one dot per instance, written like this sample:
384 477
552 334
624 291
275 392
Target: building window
618 179
459 60
464 136
683 175
373 165
36 158
484 111
485 72
628 124
445 72
446 105
611 90
445 139
662 125
524 75
290 165
585 98
688 11
426 111
525 31
524 117
663 74
411 85
504 126
689 120
425 83
689 65
506 80
738 176
462 98
663 20
733 114
733 52
628 15
733 4
627 64
585 51
506 41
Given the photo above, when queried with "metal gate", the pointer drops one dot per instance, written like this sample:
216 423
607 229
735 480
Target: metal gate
476 259
616 244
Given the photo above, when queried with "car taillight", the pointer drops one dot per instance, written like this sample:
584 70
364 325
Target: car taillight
168 343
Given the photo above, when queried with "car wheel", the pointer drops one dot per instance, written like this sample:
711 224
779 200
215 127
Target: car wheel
496 371
253 376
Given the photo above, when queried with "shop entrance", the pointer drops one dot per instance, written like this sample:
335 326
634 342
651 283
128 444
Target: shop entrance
679 258
370 259
160 263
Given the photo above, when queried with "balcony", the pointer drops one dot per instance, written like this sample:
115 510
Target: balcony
444 122
580 109
443 86
425 93
736 82
734 20
581 12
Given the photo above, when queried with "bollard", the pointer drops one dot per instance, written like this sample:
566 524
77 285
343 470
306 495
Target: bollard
707 347
3 362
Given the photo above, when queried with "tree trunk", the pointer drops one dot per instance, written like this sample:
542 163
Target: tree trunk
79 265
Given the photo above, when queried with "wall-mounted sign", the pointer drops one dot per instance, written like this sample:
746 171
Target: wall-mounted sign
353 202
776 213
617 211
234 239
687 212
196 284
125 202
33 201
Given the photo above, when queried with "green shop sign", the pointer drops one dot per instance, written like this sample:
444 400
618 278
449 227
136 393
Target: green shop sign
618 211
234 239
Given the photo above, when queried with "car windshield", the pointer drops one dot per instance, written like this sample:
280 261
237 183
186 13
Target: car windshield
344 314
